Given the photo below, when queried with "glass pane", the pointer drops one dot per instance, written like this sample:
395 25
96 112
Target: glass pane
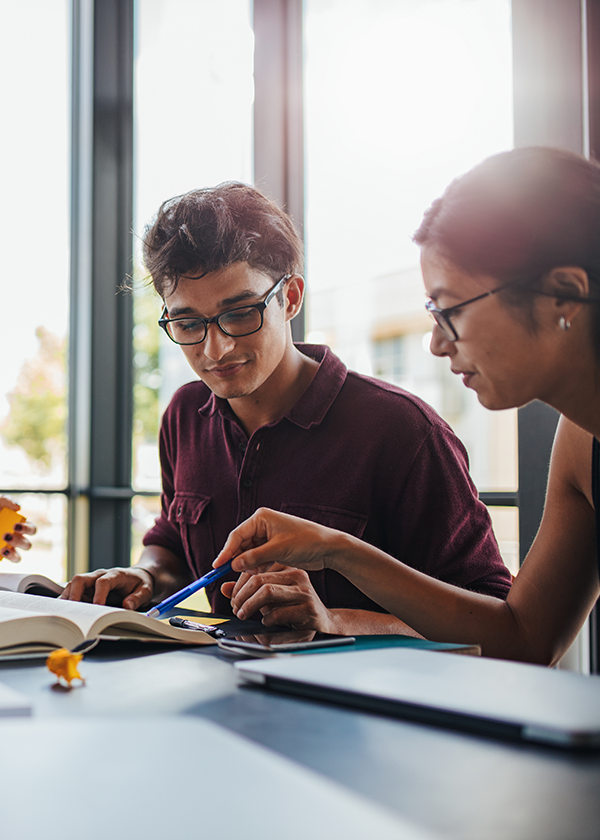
505 521
430 96
144 510
48 554
194 93
34 220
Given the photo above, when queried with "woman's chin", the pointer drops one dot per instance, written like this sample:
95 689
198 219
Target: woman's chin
494 402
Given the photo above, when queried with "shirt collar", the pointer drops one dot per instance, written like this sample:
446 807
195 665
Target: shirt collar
315 402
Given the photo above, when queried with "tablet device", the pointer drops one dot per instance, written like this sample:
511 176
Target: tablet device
286 642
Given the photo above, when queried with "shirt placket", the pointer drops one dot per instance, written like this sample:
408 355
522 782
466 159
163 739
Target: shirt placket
249 475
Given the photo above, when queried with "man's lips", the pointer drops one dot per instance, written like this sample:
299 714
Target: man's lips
223 371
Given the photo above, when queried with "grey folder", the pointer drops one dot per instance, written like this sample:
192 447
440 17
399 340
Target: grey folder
498 698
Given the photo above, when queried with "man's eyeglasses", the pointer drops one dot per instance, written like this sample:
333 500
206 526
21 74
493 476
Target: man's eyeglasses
442 316
243 320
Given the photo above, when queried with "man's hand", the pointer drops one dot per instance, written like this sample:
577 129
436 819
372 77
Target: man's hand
135 586
283 596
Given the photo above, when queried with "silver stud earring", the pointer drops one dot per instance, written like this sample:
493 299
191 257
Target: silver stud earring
563 323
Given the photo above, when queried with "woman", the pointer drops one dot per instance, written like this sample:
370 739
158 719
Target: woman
511 264
17 538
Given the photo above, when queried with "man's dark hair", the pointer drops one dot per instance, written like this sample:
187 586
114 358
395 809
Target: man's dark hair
212 228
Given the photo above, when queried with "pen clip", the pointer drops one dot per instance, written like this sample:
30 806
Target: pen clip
211 629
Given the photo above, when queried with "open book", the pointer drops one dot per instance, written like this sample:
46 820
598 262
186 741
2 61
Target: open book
30 624
30 583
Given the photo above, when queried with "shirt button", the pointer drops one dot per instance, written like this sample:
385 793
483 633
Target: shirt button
243 447
247 482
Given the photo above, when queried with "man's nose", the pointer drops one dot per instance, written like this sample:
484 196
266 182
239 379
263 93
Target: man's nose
217 344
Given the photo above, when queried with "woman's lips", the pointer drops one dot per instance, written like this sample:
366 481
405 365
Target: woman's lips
467 376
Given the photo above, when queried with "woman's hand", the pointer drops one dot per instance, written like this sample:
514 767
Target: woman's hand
269 537
16 538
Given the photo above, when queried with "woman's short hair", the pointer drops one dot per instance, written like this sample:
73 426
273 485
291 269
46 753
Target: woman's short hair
208 229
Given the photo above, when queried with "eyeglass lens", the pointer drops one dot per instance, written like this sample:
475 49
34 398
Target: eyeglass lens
237 322
443 323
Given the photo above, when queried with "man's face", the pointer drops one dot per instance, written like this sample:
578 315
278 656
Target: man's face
232 367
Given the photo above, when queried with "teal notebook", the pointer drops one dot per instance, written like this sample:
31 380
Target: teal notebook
389 641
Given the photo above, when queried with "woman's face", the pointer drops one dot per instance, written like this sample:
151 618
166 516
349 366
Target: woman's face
498 353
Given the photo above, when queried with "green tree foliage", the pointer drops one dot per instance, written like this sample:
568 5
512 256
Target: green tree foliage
38 405
147 375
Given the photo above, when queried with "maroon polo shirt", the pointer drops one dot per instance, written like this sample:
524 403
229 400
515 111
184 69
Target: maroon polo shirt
354 453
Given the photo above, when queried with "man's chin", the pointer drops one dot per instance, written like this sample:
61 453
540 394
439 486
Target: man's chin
228 390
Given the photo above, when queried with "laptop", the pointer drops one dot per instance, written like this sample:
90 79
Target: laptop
486 696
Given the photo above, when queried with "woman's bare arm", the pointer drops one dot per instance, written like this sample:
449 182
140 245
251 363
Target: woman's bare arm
545 608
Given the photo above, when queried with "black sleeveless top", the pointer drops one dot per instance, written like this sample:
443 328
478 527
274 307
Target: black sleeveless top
596 492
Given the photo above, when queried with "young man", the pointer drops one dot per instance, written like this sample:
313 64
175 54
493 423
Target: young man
273 424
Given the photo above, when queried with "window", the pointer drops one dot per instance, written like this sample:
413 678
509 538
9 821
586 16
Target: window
193 127
34 160
430 96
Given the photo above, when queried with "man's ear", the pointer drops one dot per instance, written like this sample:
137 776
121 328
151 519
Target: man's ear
568 281
293 296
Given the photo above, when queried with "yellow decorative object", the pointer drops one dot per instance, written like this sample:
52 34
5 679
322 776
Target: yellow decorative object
8 520
64 664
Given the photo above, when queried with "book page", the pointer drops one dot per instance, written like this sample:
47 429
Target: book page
94 619
16 582
83 615
24 627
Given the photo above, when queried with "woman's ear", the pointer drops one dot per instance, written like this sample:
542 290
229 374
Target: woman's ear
567 282
293 295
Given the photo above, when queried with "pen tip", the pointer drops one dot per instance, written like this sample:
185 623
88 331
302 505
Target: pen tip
153 613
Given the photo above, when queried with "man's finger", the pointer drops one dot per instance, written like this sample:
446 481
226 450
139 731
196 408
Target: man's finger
269 594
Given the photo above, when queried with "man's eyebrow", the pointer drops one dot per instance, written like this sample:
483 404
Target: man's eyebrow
226 303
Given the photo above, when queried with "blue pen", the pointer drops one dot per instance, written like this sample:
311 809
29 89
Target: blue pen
184 593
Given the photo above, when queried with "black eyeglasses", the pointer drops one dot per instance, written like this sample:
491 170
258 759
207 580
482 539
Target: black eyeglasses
243 320
442 316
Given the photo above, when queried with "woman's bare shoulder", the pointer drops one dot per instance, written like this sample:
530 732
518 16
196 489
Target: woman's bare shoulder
572 457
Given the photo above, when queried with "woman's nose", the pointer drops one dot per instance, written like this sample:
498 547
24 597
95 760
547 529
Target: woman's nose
440 344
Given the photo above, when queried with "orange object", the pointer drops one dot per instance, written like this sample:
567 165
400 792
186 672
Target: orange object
64 664
8 520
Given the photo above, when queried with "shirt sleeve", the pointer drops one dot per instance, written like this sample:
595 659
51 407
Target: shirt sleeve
446 531
164 532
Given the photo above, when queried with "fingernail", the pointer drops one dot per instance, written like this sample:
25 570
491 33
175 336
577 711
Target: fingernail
7 537
18 527
6 552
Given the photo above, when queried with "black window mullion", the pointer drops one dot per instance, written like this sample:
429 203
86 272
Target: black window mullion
101 392
279 110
